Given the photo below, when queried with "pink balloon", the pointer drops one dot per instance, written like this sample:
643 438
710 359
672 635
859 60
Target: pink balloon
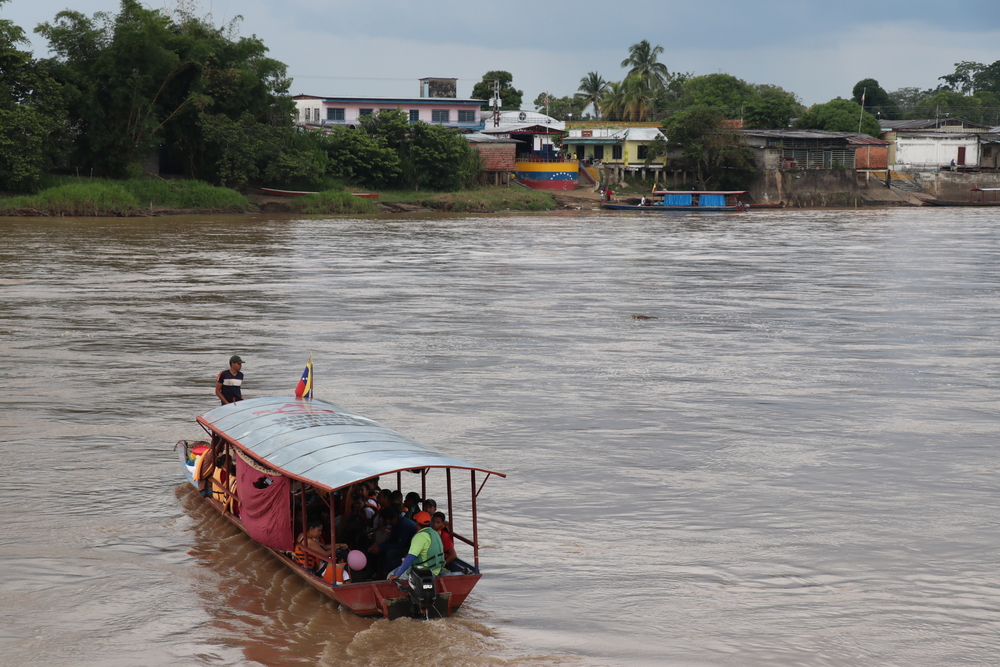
357 560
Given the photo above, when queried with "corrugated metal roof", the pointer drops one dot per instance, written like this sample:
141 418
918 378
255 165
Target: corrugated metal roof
865 139
643 133
480 138
321 442
927 123
526 128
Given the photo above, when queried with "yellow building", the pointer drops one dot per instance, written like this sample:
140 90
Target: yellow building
615 146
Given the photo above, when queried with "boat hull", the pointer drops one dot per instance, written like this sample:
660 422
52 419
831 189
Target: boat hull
657 208
302 193
943 202
548 175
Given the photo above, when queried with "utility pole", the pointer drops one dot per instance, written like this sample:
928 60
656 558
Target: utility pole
496 102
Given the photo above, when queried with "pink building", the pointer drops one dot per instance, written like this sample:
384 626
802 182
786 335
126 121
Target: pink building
437 105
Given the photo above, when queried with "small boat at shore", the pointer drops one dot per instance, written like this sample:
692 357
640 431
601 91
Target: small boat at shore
273 465
302 193
977 197
696 201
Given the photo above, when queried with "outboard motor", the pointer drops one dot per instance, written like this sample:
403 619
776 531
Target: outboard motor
421 600
423 591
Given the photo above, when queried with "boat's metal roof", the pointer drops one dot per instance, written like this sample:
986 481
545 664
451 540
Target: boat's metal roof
321 442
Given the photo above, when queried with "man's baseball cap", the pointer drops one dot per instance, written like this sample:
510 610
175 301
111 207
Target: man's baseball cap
422 518
235 359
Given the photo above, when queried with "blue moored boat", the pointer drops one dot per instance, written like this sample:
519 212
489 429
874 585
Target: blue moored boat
697 201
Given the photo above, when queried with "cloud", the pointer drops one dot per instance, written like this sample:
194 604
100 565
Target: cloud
816 50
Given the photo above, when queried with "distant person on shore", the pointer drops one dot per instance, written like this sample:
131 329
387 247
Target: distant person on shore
229 381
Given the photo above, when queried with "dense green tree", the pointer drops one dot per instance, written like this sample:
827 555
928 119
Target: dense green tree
643 63
876 100
393 126
770 112
656 149
561 108
32 117
435 158
724 92
947 103
906 98
972 77
141 81
839 116
360 158
720 158
591 91
510 97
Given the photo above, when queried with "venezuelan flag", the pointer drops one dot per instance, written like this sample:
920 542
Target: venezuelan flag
305 387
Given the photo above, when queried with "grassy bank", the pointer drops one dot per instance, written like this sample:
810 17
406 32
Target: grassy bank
482 200
69 196
334 201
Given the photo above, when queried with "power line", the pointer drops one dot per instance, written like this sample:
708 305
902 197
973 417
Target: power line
358 78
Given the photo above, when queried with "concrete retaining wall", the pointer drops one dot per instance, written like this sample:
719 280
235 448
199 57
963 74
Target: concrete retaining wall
819 187
954 185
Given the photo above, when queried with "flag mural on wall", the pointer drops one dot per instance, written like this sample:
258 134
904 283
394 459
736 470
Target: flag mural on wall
305 387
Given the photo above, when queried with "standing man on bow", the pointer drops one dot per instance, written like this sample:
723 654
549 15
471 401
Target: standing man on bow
227 385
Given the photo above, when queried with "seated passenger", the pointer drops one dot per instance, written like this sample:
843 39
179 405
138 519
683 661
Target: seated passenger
311 540
392 550
396 497
411 504
439 523
430 506
426 551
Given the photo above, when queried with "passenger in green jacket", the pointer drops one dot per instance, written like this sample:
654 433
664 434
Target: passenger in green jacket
426 551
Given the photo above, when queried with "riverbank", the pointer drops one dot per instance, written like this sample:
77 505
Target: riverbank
83 197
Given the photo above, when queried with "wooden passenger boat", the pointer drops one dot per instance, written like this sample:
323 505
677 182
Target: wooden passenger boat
696 201
282 454
977 197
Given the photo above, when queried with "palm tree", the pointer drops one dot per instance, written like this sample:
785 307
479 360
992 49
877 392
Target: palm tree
613 100
592 90
642 59
639 98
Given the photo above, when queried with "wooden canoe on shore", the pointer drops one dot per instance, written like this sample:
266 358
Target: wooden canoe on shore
302 193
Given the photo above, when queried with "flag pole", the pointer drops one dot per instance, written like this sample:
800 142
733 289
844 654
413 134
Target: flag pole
312 372
862 116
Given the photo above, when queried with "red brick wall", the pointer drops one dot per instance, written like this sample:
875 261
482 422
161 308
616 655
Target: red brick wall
497 157
878 158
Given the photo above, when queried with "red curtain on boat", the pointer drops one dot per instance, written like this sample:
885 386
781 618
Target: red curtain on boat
265 504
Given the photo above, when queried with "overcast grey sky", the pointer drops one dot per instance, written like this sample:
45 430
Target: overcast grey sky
817 50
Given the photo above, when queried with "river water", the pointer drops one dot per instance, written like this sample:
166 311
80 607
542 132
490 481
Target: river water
794 461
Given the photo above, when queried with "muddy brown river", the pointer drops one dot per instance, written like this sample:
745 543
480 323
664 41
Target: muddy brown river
789 458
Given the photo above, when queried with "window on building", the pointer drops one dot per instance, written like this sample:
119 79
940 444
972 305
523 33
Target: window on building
616 152
335 114
316 115
467 116
307 115
365 112
643 150
598 152
414 115
384 110
440 116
